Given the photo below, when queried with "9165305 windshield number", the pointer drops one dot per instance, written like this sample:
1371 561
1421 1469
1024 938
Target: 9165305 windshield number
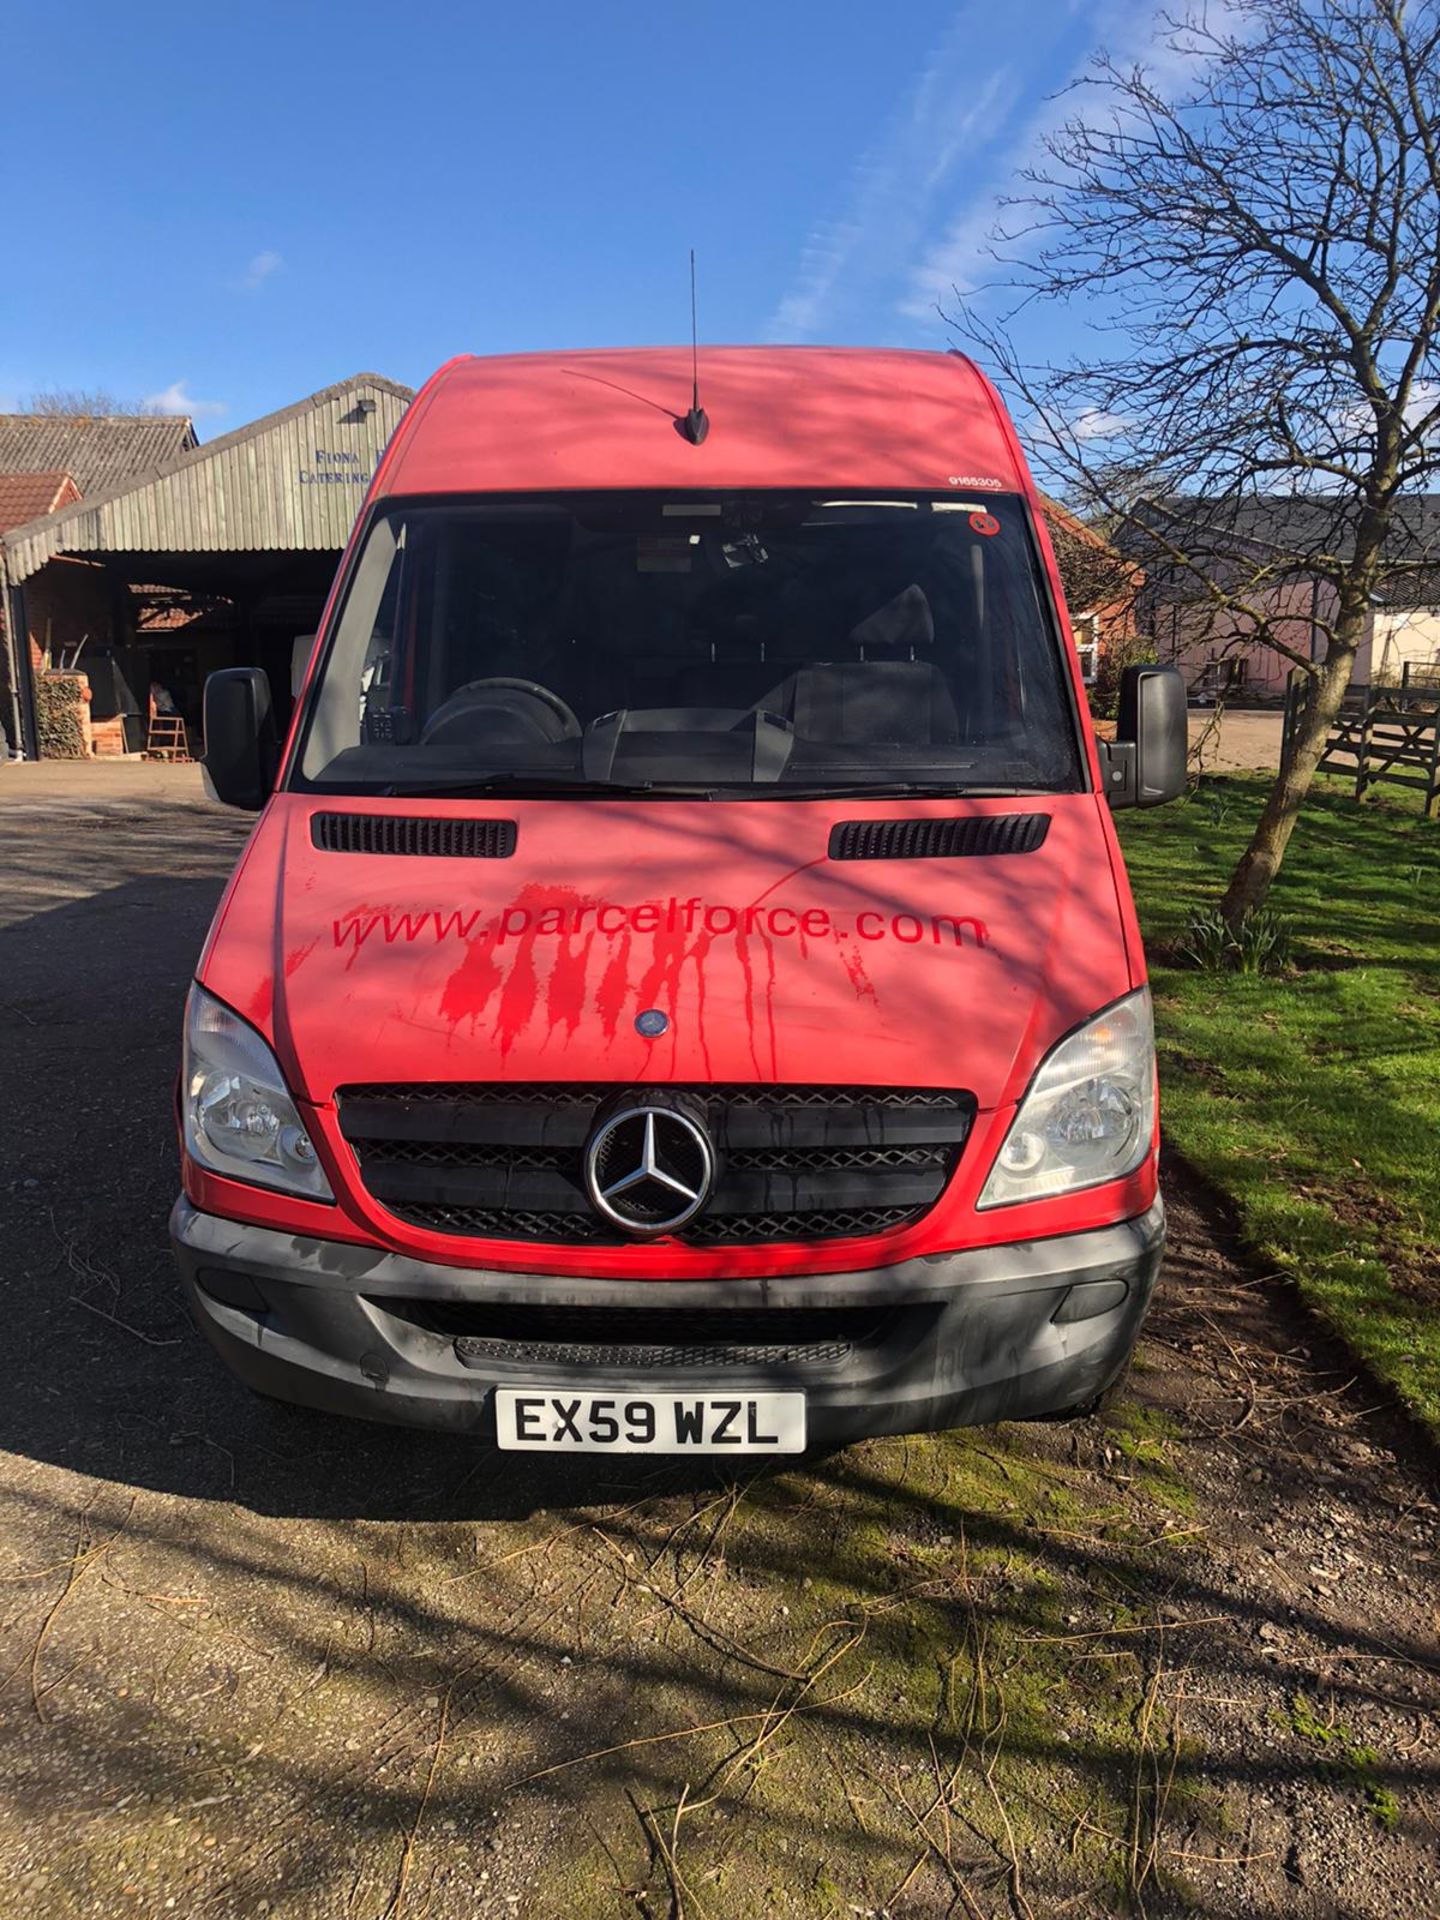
559 1418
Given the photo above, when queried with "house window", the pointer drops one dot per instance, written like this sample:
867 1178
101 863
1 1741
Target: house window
1087 645
1221 676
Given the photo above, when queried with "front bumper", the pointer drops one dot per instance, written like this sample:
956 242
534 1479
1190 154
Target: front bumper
959 1339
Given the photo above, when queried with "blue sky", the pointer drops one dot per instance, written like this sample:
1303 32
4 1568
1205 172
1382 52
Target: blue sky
228 208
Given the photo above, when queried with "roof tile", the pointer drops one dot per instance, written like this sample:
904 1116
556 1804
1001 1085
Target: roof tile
25 496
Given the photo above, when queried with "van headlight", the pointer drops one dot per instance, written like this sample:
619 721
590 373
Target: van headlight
1089 1114
238 1116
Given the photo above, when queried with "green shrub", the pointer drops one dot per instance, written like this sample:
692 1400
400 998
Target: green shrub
1115 656
57 716
1258 944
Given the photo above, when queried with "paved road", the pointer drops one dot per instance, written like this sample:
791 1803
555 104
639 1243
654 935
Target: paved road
1223 742
257 1662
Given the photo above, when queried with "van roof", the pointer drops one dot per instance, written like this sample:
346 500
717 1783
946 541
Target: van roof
780 417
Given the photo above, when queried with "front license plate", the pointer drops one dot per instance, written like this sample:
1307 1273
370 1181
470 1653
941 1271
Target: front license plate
541 1419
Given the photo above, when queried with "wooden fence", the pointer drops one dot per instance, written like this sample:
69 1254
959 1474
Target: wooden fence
1388 735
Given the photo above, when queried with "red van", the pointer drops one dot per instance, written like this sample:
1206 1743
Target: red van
682 993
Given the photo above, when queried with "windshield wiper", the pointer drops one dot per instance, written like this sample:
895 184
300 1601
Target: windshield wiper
526 786
523 786
894 790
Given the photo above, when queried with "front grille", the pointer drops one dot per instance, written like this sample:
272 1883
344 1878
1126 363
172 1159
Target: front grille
823 1159
506 1223
651 1338
504 1162
829 1223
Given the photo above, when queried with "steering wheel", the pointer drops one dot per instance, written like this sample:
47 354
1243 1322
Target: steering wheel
544 713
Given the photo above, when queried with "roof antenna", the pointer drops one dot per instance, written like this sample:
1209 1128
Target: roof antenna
696 423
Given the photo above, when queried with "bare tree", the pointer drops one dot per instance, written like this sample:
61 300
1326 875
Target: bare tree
1093 574
78 404
1260 394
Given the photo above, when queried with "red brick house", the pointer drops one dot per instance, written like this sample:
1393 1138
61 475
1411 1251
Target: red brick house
1101 586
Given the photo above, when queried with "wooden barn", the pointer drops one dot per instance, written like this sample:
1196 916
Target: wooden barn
221 555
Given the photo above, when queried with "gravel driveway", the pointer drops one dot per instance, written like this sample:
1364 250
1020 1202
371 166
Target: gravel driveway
1232 741
259 1662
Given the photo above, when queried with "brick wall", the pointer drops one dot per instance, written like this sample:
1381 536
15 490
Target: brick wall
67 602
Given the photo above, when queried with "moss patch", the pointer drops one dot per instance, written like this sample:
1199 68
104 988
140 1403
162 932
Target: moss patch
962 1675
1347 1757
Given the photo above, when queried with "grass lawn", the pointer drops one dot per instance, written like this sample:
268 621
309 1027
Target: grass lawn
1312 1097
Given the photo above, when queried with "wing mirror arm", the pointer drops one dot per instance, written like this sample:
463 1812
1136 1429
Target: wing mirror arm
1117 771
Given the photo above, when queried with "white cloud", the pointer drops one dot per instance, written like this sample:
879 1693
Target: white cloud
959 257
822 260
950 265
1358 419
889 196
262 268
1094 423
174 399
1424 398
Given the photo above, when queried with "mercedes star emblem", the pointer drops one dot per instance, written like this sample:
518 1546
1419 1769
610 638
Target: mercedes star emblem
649 1169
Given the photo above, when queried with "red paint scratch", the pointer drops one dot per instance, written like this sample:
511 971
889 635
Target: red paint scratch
854 964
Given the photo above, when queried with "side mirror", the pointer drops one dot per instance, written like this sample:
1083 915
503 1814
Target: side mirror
1144 765
242 750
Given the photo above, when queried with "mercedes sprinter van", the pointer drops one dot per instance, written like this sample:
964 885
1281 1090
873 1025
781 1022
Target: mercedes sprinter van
682 992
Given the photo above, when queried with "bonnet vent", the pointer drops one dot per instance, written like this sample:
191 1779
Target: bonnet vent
458 839
938 839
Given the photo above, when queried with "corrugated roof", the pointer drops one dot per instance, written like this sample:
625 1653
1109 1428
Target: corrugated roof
1261 542
1276 530
299 492
99 451
26 496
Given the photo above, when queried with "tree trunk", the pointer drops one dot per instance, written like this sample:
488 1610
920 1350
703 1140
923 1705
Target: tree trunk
1260 862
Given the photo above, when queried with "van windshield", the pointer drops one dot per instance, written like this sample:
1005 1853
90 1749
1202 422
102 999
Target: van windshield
745 645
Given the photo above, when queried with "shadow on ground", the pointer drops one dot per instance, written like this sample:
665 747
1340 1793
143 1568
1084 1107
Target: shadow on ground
260 1661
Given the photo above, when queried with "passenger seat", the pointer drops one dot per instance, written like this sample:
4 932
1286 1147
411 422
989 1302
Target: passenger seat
907 702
